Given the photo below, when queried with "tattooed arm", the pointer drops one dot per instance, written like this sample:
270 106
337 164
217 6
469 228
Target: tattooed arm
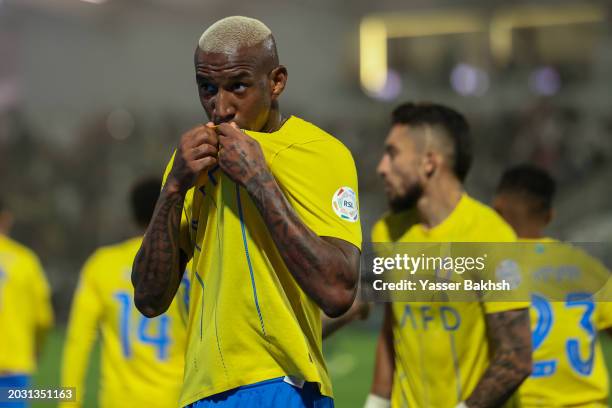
509 336
326 268
159 264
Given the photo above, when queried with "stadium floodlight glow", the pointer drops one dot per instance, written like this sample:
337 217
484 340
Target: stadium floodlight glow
545 81
392 87
505 21
469 80
375 30
373 54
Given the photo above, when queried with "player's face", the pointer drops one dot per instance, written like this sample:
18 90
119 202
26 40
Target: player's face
235 88
513 208
400 167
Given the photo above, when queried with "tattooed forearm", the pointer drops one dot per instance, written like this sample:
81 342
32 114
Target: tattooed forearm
510 345
325 268
156 272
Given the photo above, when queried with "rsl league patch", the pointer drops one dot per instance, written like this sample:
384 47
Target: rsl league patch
344 203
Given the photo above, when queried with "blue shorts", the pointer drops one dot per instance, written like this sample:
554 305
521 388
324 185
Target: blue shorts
13 381
268 394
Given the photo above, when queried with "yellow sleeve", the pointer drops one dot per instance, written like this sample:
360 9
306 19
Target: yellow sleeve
82 329
502 232
42 296
319 179
185 228
378 233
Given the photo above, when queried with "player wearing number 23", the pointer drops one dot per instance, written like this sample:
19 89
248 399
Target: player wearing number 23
142 359
566 315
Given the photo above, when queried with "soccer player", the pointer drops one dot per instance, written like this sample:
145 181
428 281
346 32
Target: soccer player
266 206
442 354
25 309
568 364
142 359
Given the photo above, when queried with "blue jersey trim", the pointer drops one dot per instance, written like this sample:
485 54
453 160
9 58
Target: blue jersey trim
248 258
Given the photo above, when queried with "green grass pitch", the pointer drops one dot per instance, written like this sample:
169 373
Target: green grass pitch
349 353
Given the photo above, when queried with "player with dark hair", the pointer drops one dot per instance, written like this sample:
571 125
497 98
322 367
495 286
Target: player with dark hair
26 314
524 198
142 359
266 205
568 364
442 354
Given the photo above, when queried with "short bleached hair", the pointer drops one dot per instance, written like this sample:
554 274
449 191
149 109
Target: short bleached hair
231 33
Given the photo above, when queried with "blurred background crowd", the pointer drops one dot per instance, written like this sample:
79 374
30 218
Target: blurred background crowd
94 94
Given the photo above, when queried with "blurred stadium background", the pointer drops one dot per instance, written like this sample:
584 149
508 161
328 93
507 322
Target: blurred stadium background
95 93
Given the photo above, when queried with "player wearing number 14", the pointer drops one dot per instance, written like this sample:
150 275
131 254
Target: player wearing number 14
142 359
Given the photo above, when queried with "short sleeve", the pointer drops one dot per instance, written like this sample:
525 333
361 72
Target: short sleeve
319 179
85 313
42 295
185 229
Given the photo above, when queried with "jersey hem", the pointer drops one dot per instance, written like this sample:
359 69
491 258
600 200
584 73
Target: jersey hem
268 375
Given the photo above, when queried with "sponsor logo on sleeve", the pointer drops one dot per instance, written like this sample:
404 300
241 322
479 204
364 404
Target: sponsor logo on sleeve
344 203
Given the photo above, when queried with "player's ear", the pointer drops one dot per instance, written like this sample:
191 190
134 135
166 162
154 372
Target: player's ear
278 80
430 164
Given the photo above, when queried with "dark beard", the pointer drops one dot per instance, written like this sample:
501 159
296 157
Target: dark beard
407 201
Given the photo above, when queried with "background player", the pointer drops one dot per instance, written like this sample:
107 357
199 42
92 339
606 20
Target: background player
442 354
569 368
273 230
141 359
25 309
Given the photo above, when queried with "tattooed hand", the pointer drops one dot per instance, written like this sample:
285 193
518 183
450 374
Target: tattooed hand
159 263
240 156
197 152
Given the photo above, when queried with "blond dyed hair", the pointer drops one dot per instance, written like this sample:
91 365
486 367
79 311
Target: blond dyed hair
231 33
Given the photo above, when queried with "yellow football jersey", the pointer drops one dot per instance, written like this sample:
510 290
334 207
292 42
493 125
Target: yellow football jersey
441 348
568 364
249 320
25 307
142 359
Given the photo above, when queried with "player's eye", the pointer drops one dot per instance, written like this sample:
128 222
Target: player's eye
239 87
208 88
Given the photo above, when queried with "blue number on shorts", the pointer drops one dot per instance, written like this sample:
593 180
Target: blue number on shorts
544 323
161 341
584 367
